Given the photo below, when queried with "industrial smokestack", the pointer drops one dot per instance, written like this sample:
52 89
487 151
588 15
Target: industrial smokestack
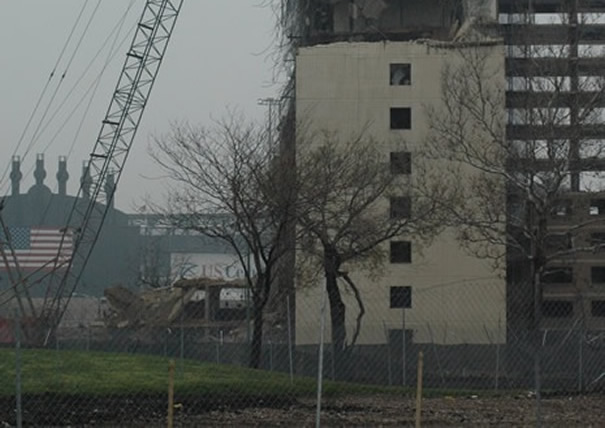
16 175
62 175
40 172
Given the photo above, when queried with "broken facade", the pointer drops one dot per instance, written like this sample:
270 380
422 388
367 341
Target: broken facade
379 62
328 21
375 66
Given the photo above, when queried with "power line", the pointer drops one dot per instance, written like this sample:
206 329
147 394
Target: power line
117 28
41 96
37 132
50 121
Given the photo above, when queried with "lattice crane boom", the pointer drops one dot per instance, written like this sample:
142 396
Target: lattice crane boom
111 149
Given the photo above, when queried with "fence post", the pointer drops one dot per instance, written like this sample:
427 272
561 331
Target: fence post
333 360
403 350
88 338
388 345
581 362
166 342
434 346
170 417
18 370
290 341
419 389
497 366
270 355
497 343
182 335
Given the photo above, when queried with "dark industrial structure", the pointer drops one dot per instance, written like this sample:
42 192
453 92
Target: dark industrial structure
115 259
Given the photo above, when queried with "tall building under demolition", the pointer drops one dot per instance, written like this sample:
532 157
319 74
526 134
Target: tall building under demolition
377 66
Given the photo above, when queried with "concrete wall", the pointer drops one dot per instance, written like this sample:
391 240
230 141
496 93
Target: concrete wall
456 298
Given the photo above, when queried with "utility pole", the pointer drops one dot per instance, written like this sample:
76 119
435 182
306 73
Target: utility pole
270 103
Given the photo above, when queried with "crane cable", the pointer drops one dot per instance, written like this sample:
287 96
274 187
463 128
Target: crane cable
112 53
41 96
67 97
114 49
37 132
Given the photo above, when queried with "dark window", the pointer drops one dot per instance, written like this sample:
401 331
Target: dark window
597 207
556 243
401 118
401 252
401 163
597 274
598 308
401 74
597 238
561 208
401 297
557 275
323 18
401 207
557 308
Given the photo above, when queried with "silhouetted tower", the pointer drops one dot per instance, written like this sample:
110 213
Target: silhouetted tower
62 175
16 176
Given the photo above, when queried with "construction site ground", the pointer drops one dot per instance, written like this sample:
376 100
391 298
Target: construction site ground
378 411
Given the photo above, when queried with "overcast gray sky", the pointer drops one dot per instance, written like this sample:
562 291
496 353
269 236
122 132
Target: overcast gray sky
218 57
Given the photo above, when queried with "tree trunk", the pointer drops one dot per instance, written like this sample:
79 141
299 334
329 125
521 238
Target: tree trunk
257 334
337 313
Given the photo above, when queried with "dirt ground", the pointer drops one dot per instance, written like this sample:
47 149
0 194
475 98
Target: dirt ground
379 411
437 412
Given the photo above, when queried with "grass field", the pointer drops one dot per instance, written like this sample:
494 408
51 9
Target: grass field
98 373
74 388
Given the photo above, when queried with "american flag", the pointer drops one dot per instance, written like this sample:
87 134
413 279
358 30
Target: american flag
37 247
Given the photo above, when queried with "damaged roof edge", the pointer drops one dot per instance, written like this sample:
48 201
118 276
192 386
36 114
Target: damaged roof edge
330 21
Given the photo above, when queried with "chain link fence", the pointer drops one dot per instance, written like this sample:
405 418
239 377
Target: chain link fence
101 370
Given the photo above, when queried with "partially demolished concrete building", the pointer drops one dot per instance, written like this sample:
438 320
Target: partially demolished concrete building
376 66
205 307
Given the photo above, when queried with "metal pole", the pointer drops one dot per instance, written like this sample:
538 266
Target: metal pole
166 343
270 355
497 365
388 344
270 102
182 338
18 370
221 342
333 362
290 341
498 353
403 350
581 363
320 368
419 390
88 338
170 416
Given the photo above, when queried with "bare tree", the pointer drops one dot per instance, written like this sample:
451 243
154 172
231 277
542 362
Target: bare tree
524 165
230 186
343 214
157 269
